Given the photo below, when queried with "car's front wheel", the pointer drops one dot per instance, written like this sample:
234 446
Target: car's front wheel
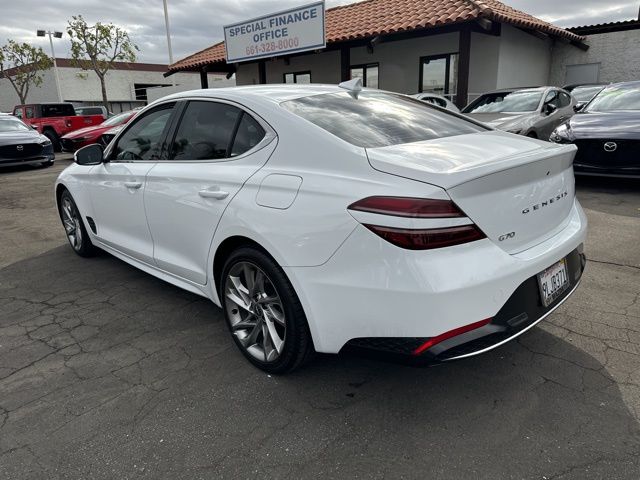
73 226
263 312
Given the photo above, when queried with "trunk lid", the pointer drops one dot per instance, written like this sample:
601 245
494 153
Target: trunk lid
518 190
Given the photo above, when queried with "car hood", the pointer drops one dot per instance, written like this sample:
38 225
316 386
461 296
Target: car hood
606 124
95 129
10 138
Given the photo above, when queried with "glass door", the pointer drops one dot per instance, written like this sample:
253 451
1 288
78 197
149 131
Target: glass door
439 74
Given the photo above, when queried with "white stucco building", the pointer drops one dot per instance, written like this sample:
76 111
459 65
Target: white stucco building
458 48
127 85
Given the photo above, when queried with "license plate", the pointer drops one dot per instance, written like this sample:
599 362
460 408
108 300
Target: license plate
553 281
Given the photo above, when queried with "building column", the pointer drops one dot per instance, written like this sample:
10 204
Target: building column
345 64
262 72
204 79
464 58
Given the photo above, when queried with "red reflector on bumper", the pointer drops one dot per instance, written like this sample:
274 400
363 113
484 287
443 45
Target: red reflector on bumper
450 334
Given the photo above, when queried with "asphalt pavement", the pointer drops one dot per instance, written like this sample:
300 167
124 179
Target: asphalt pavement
107 372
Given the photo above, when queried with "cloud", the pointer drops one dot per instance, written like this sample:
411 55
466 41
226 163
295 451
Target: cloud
197 24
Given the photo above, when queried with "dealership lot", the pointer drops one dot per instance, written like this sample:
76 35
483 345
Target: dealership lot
106 372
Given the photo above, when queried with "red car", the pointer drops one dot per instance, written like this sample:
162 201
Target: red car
86 136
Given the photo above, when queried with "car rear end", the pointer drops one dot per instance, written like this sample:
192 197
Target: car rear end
482 241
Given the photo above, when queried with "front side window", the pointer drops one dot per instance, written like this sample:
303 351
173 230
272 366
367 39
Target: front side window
142 141
297 77
205 132
551 98
18 112
376 119
520 101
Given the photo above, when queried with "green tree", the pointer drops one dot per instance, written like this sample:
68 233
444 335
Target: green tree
97 47
23 65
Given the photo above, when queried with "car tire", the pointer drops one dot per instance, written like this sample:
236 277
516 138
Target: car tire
53 138
74 226
48 163
264 312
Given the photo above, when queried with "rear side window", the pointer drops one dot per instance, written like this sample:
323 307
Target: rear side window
58 110
248 135
29 112
205 131
376 119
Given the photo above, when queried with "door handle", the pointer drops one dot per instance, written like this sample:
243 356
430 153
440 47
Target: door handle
217 194
135 185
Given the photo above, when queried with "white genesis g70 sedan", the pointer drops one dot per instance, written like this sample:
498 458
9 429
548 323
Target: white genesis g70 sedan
325 218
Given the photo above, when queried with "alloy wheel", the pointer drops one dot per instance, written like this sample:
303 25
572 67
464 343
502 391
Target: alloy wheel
71 224
255 312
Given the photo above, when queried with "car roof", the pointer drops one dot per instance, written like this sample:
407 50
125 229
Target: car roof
634 83
272 93
520 89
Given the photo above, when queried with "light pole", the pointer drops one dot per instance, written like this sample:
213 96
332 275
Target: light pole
166 23
42 33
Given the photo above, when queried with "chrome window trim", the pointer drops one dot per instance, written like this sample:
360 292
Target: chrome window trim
270 133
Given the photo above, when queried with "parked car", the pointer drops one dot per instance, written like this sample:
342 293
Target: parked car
22 145
54 120
317 223
533 112
86 136
584 93
94 110
606 132
109 135
437 100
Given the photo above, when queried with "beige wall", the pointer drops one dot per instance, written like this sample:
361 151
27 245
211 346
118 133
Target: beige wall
618 54
524 59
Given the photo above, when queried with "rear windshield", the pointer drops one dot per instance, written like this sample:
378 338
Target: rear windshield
377 119
58 110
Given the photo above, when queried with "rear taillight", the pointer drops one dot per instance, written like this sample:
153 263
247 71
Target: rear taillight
418 239
408 207
428 238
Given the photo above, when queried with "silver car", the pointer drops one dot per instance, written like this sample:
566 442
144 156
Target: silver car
534 112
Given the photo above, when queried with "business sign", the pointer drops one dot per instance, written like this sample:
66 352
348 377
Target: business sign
295 30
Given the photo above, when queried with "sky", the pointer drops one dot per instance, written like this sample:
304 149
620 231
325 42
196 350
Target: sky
197 24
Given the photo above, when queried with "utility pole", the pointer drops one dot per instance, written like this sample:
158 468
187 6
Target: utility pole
166 23
42 33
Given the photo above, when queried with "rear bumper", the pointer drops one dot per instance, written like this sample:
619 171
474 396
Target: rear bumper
373 290
522 311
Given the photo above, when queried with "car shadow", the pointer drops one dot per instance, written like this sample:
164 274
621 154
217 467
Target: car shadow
93 350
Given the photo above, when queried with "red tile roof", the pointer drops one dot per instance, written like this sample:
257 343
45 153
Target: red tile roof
370 18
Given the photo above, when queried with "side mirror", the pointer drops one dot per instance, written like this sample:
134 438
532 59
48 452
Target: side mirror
579 106
89 155
549 108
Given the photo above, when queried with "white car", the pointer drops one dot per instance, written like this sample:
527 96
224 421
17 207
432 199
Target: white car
328 217
437 100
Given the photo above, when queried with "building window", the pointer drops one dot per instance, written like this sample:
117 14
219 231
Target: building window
297 77
140 89
368 73
439 74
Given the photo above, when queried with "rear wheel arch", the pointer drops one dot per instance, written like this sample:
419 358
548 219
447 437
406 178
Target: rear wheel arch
226 248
